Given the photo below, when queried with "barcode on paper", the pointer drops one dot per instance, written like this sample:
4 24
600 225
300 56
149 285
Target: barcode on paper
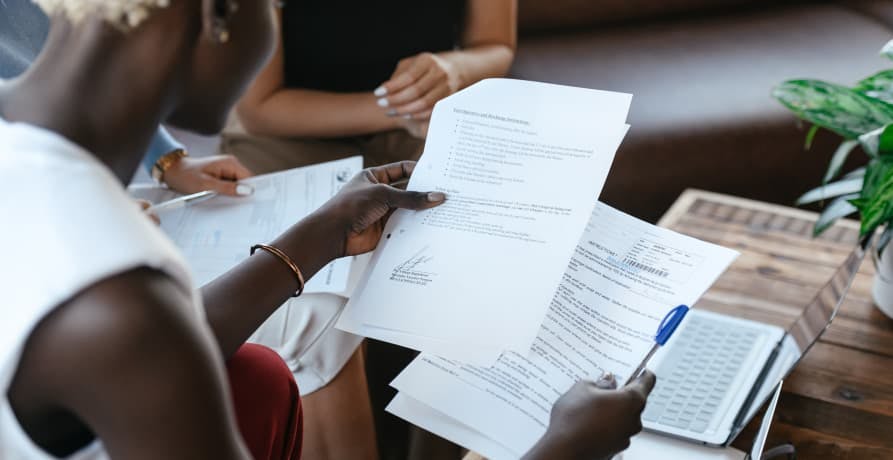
647 268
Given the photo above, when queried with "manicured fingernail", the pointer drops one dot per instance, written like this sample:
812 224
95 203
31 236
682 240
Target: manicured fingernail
383 102
607 381
392 112
244 190
408 116
435 197
380 91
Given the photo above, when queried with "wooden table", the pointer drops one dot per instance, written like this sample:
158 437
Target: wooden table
838 404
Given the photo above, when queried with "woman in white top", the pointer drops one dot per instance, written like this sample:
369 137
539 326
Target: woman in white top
105 347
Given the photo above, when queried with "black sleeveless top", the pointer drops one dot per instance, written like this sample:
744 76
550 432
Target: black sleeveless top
354 45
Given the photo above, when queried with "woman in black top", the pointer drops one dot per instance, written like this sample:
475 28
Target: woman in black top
355 77
361 77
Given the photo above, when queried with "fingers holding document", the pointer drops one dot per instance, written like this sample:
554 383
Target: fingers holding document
144 206
395 176
358 213
391 173
218 173
593 420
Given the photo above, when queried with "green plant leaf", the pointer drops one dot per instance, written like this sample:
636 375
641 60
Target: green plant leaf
828 191
878 142
875 202
834 107
840 207
878 86
875 173
887 50
810 136
840 156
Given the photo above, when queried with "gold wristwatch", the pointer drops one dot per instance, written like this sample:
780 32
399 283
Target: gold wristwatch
164 163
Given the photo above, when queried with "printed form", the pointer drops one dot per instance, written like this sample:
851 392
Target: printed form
521 164
625 275
217 234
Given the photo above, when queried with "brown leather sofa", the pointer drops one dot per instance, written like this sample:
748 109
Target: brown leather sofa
701 72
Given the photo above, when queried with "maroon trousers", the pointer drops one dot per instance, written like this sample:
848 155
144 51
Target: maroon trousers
267 402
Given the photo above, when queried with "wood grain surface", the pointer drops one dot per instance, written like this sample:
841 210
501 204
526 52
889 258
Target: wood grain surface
838 404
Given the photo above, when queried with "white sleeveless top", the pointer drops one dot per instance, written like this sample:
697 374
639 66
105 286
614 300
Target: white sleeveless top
66 223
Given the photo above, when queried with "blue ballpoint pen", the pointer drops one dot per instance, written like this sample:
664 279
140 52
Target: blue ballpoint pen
664 331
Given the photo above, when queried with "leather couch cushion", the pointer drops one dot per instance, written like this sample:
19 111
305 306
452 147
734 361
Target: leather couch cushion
539 15
881 10
702 115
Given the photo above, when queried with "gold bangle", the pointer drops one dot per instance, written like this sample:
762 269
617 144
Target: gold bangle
285 258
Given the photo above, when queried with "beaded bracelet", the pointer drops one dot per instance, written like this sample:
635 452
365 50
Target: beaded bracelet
285 258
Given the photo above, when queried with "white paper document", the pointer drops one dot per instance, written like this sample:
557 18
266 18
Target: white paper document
216 234
522 164
643 446
624 276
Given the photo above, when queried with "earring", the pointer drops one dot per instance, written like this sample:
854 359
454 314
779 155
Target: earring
221 27
221 31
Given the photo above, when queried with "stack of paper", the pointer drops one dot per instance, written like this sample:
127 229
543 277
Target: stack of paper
522 164
216 234
623 278
519 285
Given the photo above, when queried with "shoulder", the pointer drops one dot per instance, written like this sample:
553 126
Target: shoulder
123 319
73 215
123 356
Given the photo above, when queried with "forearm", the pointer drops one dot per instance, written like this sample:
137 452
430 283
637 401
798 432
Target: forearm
309 113
479 62
239 301
162 144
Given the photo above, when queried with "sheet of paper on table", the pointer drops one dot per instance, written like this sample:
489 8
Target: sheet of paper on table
216 234
522 164
624 277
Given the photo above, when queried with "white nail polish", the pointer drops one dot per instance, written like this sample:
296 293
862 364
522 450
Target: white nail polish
244 190
380 91
383 102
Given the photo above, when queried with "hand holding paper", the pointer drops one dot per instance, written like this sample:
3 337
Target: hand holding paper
623 278
355 217
594 420
521 164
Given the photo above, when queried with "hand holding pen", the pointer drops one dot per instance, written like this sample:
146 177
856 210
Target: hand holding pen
594 419
181 201
664 331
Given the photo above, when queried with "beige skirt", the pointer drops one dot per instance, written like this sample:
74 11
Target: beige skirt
264 155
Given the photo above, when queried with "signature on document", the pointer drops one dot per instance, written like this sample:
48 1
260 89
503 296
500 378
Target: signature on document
415 270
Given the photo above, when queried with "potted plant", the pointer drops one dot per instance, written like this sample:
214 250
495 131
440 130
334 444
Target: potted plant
863 116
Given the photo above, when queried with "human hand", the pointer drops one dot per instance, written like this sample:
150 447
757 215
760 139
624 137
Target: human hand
415 128
417 84
145 205
218 173
593 420
355 218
